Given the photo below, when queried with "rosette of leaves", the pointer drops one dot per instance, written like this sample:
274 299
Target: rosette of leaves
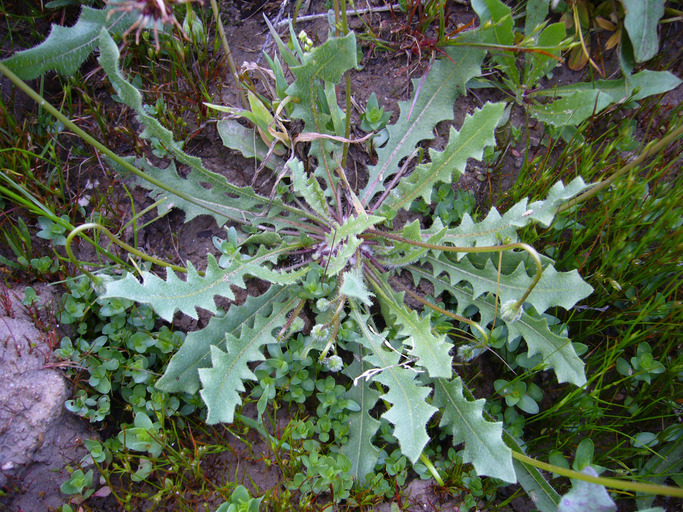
336 249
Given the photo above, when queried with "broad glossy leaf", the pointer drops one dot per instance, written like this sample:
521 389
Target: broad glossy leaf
246 141
635 87
497 28
538 64
642 18
536 12
571 110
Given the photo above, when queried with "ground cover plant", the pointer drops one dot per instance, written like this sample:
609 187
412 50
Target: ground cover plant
354 280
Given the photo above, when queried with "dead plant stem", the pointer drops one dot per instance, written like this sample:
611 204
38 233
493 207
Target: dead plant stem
228 54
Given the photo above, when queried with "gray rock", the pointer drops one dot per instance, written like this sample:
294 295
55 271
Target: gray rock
38 437
32 398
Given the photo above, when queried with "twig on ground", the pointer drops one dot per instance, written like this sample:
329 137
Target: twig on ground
312 17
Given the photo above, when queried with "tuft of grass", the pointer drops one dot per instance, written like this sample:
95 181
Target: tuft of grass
183 75
626 242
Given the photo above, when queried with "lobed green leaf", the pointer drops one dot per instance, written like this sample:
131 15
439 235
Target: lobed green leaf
326 63
431 351
401 253
209 191
557 351
409 411
343 252
167 297
496 229
353 226
173 294
195 353
354 287
309 189
66 48
432 102
362 426
225 201
464 420
447 166
223 382
562 289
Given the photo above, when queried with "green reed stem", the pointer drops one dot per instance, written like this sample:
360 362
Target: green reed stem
611 483
491 248
114 239
228 54
432 469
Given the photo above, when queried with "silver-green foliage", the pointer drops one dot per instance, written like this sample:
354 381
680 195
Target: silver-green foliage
347 240
66 48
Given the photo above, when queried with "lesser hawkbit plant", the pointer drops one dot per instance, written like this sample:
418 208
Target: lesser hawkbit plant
330 245
337 250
